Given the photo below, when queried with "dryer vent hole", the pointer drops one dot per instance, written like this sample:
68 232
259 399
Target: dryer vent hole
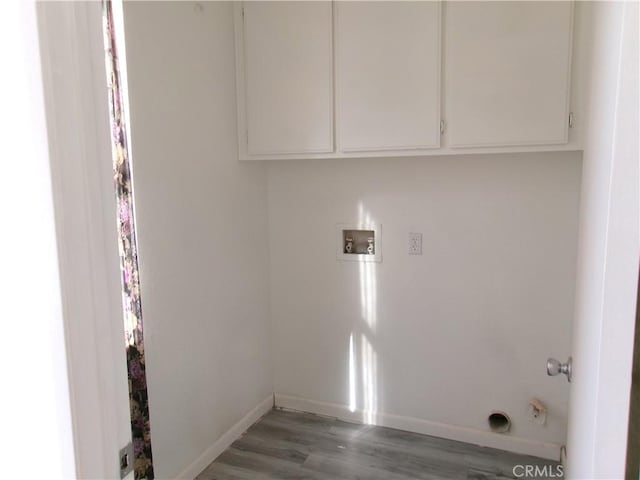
499 422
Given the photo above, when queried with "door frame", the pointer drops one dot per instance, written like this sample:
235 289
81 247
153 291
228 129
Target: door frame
74 83
609 247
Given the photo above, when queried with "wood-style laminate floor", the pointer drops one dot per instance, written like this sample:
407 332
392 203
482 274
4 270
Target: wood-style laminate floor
296 446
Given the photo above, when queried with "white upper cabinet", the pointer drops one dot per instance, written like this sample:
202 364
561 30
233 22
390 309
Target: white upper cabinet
387 75
287 77
507 73
503 68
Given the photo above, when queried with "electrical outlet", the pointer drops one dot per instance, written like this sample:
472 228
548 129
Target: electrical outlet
415 243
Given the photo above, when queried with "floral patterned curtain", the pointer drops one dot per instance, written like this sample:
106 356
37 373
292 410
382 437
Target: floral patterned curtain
132 306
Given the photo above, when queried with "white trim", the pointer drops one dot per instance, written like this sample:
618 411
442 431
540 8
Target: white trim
241 120
443 151
227 438
425 427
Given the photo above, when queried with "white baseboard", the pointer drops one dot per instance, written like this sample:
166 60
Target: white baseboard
227 438
462 434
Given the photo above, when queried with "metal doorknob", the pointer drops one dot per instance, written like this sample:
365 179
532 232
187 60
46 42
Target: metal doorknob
554 367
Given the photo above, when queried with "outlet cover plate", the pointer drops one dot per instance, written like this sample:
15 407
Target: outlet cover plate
415 243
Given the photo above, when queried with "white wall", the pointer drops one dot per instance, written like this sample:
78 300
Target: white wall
35 411
445 337
608 252
202 226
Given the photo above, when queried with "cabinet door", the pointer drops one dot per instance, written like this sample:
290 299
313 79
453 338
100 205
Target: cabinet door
507 72
288 77
388 75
